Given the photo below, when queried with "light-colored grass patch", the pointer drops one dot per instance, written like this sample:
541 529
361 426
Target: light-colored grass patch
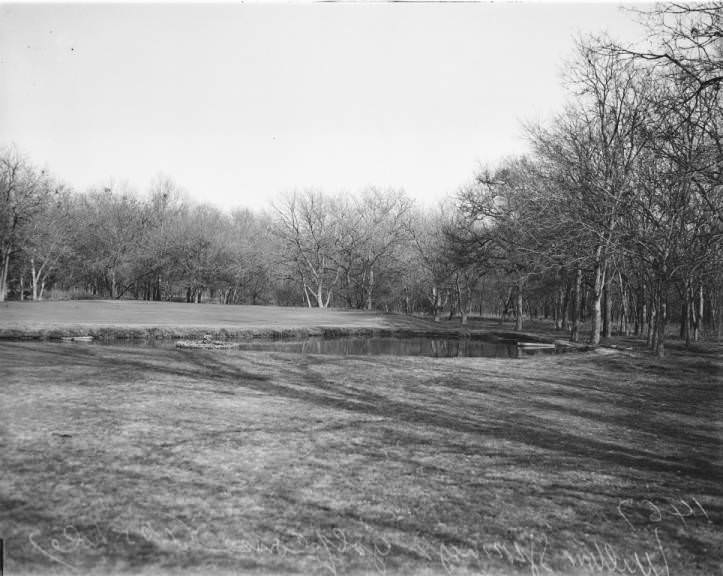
111 319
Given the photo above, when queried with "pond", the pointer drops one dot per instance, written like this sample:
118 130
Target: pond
431 346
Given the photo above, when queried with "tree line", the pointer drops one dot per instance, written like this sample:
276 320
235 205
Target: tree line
613 221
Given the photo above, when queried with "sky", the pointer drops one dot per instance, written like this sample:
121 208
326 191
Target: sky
238 103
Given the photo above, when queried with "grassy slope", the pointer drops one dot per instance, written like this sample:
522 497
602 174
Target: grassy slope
122 319
156 460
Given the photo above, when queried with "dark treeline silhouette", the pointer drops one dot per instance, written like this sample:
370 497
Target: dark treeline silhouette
614 219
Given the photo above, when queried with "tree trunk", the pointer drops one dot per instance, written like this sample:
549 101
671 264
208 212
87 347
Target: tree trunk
518 308
608 319
698 315
624 311
644 311
435 303
599 273
685 313
466 306
508 300
565 305
651 322
113 285
575 308
370 289
637 313
4 277
34 277
452 302
660 332
157 290
560 307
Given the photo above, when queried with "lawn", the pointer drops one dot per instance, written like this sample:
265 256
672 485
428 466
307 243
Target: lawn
138 319
152 460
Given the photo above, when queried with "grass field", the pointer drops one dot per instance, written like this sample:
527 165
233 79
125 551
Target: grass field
133 459
138 319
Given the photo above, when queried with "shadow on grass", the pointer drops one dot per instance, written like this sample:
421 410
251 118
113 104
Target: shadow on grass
527 429
541 423
649 408
643 404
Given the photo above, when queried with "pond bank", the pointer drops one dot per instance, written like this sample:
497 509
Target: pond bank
111 321
132 320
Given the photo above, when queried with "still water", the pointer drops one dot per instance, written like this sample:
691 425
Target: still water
411 346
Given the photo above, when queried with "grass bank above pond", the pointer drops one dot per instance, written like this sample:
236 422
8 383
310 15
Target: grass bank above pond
112 319
142 460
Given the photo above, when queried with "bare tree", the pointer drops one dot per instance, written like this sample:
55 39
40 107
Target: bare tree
376 225
504 226
427 232
685 39
307 226
47 239
22 192
596 144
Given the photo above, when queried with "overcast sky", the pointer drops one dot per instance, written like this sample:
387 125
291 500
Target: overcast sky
238 103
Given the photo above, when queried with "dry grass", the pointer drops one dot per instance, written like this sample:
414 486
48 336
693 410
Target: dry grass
152 460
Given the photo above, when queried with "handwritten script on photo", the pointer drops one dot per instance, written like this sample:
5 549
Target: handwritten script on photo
538 552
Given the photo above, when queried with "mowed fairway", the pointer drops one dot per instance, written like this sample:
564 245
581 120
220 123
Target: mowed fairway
133 459
138 319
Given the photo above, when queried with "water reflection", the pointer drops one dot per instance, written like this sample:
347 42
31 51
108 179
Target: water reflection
371 346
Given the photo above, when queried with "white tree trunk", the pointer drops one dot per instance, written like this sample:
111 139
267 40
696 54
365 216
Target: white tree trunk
597 300
4 277
38 279
370 289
